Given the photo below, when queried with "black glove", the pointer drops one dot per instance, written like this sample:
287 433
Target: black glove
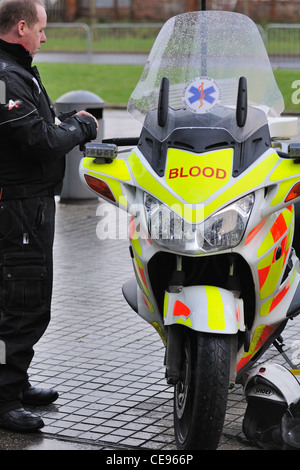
89 125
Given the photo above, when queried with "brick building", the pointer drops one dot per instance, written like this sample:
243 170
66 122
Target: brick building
270 11
261 11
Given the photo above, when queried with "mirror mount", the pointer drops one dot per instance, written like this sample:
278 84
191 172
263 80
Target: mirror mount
242 103
163 102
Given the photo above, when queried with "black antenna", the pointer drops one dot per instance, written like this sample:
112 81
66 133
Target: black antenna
242 103
163 102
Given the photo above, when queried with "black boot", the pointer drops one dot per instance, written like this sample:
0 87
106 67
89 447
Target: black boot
20 420
38 396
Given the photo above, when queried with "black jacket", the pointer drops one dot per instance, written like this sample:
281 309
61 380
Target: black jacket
32 144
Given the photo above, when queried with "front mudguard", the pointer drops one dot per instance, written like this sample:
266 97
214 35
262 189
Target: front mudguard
208 309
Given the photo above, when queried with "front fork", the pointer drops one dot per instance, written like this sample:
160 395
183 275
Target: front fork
175 355
203 309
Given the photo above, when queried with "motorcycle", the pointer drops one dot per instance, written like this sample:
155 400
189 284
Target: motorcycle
210 186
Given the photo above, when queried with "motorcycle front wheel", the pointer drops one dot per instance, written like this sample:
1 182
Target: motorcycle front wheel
200 397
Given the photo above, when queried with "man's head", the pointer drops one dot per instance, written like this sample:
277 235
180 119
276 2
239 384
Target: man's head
23 22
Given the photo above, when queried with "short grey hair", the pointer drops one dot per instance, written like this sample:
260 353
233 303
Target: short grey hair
13 11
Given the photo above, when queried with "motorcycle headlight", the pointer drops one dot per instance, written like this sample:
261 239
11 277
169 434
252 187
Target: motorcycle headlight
221 231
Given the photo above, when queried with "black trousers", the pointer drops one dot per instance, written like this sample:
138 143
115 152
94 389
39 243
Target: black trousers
26 274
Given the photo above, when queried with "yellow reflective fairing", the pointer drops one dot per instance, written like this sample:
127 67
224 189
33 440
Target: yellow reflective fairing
271 303
117 168
137 251
186 173
148 181
216 195
284 174
207 307
112 174
270 267
216 315
261 334
194 179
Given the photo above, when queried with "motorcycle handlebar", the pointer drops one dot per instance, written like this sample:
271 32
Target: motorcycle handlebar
122 141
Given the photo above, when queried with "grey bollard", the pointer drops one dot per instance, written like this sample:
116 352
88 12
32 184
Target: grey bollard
73 189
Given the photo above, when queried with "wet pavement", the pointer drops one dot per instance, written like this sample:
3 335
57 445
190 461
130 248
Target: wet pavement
103 359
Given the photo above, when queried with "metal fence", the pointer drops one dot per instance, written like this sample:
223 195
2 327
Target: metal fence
124 37
68 37
282 40
110 38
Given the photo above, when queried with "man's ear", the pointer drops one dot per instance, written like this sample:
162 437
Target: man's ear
21 26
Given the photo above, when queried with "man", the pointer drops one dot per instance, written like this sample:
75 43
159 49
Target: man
33 143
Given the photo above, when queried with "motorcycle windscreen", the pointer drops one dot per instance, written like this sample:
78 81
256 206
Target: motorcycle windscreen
203 54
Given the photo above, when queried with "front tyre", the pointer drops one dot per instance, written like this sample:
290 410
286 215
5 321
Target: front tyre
200 397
